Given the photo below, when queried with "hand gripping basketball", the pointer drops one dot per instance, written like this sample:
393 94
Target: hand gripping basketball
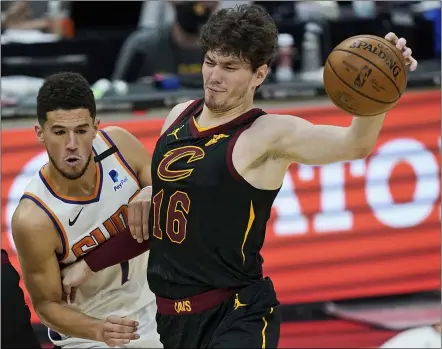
138 214
117 331
366 75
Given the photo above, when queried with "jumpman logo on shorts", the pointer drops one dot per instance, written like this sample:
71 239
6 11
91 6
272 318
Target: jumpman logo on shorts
237 303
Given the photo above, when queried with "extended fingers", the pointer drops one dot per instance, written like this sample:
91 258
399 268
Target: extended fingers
121 321
392 37
122 329
118 331
401 45
135 213
145 219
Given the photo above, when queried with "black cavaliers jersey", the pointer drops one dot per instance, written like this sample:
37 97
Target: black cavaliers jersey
207 224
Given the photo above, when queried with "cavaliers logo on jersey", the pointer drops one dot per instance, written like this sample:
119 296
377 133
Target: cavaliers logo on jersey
189 153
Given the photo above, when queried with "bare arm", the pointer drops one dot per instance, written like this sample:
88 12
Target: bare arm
298 140
110 252
36 241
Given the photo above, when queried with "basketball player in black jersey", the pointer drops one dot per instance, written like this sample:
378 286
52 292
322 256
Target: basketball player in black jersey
216 170
16 327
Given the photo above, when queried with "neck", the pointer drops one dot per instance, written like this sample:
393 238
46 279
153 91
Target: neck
83 186
211 118
183 39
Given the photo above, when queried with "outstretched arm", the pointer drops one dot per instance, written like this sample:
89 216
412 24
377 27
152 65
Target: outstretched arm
111 252
298 140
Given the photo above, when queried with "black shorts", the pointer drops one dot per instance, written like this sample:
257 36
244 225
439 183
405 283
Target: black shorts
247 318
16 325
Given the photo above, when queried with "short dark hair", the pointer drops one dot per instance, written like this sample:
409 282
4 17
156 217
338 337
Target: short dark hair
64 91
245 31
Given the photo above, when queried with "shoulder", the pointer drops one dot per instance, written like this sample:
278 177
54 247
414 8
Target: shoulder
268 133
271 126
175 112
28 208
129 146
118 135
179 108
275 120
35 236
31 222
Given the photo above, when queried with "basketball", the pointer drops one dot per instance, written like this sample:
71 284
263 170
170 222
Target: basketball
365 75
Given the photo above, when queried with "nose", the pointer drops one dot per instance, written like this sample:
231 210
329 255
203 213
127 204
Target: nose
216 75
72 142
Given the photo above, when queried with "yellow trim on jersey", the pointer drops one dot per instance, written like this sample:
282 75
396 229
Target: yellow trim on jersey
199 128
249 226
264 340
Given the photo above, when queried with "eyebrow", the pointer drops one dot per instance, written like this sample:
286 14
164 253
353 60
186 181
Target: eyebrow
61 126
229 62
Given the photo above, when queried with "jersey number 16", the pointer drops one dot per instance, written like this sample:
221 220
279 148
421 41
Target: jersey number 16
176 222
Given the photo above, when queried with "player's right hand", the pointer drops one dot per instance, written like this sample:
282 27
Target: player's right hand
138 215
118 331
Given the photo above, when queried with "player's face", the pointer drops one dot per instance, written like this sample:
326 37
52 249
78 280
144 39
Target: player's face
229 81
67 136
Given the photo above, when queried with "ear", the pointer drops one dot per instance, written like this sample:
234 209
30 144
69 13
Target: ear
96 124
261 74
39 133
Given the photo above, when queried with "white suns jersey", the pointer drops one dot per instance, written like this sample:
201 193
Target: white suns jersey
84 223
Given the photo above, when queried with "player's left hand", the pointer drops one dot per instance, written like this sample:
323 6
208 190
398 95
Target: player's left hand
400 44
73 276
118 331
138 215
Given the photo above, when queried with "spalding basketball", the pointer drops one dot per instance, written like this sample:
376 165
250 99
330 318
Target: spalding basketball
365 75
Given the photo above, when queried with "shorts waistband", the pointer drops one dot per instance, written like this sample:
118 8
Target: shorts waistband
194 304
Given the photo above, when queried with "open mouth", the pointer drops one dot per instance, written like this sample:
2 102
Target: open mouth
72 160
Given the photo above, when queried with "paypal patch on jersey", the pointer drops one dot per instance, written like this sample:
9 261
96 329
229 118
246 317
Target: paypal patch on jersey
113 174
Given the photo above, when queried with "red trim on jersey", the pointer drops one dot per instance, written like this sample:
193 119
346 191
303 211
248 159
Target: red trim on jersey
185 114
223 127
195 304
229 156
5 258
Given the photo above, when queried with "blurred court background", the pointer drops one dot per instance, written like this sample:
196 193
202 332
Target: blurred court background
353 248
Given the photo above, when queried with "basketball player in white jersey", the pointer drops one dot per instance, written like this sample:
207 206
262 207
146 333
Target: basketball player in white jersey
77 201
